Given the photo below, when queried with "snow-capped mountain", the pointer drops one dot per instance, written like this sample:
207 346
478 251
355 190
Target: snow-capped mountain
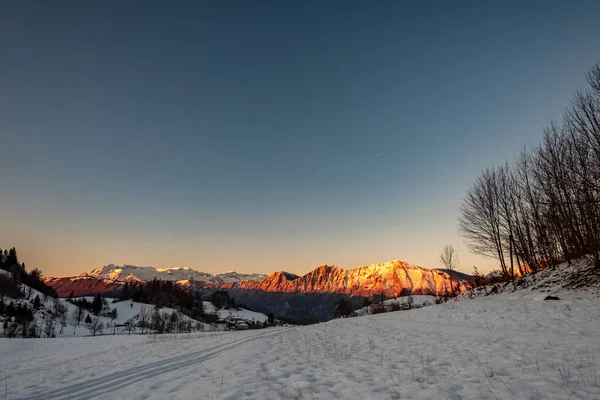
394 278
390 278
127 273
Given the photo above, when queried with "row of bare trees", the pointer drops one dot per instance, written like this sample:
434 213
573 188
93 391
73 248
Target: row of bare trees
152 319
544 207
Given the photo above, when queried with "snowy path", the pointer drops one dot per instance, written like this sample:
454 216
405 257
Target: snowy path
107 384
491 348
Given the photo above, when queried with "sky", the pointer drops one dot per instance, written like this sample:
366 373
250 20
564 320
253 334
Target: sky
261 135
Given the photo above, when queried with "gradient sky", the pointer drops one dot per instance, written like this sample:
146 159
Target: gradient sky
259 136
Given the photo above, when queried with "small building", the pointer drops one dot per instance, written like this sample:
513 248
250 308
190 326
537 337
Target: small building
241 326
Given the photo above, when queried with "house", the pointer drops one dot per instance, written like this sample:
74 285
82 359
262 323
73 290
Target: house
241 326
235 323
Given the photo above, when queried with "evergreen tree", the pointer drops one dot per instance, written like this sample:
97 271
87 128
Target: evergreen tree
88 319
37 303
11 258
221 299
125 292
343 308
97 304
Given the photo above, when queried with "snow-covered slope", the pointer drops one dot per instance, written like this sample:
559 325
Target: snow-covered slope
126 311
575 279
498 347
64 323
417 301
235 313
134 273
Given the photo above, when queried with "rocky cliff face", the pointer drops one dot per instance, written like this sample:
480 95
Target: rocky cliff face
391 278
394 278
83 285
111 278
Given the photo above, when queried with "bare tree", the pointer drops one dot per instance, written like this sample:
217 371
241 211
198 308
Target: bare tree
480 220
49 327
145 317
59 308
545 208
76 315
63 322
130 325
96 326
449 259
593 78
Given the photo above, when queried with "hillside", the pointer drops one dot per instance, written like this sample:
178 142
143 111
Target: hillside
578 278
511 345
37 315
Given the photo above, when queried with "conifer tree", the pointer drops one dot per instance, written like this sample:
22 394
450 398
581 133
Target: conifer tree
97 304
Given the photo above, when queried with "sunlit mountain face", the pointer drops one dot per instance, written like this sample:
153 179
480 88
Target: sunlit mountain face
394 278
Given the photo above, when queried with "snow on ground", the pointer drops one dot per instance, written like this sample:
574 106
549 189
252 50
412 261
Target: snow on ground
145 274
248 315
126 310
497 347
579 278
418 300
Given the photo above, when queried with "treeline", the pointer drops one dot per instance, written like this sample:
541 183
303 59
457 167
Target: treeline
18 320
98 305
9 261
165 294
19 315
544 207
153 320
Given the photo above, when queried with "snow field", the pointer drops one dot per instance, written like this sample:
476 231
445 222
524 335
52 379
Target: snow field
125 310
499 347
418 300
241 313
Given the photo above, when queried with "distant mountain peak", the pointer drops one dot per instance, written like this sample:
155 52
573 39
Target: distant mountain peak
127 273
391 278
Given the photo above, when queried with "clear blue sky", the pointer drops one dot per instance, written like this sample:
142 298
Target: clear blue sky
263 135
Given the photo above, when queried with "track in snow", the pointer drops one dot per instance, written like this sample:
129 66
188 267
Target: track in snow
117 380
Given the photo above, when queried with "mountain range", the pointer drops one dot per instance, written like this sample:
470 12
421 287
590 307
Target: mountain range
128 273
392 279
